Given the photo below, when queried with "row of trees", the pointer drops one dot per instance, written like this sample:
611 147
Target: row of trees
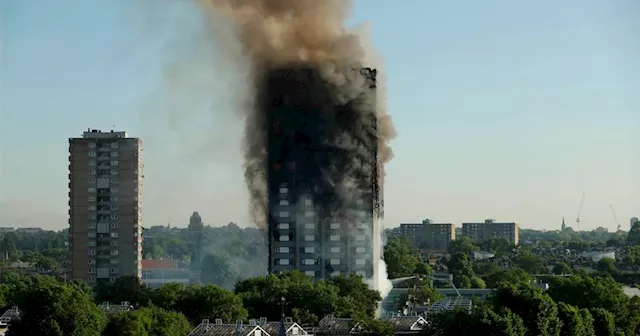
50 307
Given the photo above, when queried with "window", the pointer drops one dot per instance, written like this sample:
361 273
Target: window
114 261
114 207
361 250
114 225
309 238
114 234
91 279
309 262
335 249
91 243
92 172
308 214
335 226
284 214
284 190
92 208
92 270
92 261
284 202
92 225
92 154
114 243
283 250
114 252
91 181
114 180
310 273
360 262
115 145
308 202
113 198
114 270
91 199
115 216
103 182
334 237
360 237
92 145
91 234
283 261
114 162
283 226
310 226
114 172
284 238
114 190
91 252
114 154
309 249
91 190
92 163
335 262
92 216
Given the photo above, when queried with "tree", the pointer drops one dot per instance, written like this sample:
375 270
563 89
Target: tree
607 265
52 308
420 292
218 270
402 259
631 255
513 276
365 299
125 288
374 327
147 321
503 323
461 269
463 245
198 302
572 322
529 262
561 268
477 282
633 237
604 322
497 246
538 311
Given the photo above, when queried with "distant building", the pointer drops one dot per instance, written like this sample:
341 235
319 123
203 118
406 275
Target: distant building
429 235
6 229
29 230
634 220
480 232
157 272
105 214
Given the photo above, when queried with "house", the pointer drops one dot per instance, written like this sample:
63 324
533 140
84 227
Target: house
331 325
218 328
405 325
273 328
9 316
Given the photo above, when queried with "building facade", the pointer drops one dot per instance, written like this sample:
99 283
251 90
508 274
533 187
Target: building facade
429 235
105 213
312 226
480 232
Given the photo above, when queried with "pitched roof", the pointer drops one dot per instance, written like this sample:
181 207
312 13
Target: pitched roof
211 329
406 323
273 328
330 324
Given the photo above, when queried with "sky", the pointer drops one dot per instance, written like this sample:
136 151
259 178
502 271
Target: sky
504 109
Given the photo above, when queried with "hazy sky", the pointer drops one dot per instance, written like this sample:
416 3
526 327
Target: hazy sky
504 109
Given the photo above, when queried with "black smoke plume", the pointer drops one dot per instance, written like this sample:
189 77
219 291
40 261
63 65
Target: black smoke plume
314 94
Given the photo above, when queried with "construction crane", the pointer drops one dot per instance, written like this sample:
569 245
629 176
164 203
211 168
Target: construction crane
579 212
615 217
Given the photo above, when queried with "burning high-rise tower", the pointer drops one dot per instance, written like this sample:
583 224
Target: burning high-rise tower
322 169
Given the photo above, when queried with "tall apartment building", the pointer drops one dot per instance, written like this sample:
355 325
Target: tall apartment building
480 232
311 227
105 171
430 235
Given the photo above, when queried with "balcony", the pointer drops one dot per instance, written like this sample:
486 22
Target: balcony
104 158
104 149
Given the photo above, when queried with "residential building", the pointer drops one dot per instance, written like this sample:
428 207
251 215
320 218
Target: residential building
634 220
312 226
157 272
435 237
480 232
31 230
105 213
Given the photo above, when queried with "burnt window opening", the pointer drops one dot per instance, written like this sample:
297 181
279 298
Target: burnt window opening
276 166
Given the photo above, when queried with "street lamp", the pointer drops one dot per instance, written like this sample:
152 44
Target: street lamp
282 303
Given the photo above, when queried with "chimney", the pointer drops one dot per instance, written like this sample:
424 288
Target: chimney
218 321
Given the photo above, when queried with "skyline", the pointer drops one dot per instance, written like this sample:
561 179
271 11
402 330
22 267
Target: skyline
510 100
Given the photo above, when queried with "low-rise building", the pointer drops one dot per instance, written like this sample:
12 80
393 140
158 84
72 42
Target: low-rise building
157 272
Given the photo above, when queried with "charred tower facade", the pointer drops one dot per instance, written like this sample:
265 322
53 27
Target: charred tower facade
323 196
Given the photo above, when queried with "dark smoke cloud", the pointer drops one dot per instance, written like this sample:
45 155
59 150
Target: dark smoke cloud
297 34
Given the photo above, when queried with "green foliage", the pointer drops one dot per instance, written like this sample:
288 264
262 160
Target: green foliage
561 268
151 321
607 265
513 276
218 270
462 245
572 322
198 302
604 323
402 259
